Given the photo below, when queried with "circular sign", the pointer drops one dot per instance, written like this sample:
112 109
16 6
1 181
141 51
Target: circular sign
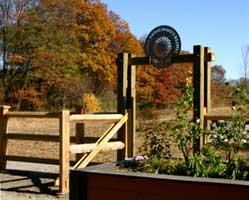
161 43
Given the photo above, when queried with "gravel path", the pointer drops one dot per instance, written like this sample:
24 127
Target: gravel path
24 181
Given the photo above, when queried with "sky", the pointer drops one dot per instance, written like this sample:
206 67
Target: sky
222 25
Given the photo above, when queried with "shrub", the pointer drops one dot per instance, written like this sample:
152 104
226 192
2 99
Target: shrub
157 142
219 158
90 103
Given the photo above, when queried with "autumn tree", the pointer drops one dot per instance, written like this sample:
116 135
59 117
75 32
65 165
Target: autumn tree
95 32
10 14
146 85
123 41
219 90
56 51
160 87
170 83
218 74
41 52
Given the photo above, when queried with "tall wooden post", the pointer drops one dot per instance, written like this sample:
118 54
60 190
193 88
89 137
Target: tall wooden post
64 150
127 99
201 59
3 136
198 85
122 64
207 81
131 106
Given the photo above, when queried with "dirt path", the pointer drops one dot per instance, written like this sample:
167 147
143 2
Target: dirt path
22 181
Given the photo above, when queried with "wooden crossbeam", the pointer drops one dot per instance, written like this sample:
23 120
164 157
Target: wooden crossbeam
208 57
87 158
140 61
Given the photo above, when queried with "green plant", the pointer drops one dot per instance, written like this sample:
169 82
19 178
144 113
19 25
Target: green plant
157 142
215 166
219 158
240 169
229 136
185 131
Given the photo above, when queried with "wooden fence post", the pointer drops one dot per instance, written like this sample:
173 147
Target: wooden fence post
64 150
207 85
131 107
198 85
122 64
3 135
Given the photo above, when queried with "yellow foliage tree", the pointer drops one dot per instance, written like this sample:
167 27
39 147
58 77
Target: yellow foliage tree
90 103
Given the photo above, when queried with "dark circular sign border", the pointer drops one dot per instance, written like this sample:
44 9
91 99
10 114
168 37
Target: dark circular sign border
171 35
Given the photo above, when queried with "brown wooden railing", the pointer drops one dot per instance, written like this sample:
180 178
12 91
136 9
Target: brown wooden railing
64 139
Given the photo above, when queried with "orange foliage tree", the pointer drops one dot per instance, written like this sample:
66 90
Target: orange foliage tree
56 51
160 87
170 83
219 90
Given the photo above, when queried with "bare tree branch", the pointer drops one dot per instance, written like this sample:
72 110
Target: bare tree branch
245 60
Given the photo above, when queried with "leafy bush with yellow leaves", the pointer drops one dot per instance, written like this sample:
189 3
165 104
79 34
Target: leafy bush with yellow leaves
90 103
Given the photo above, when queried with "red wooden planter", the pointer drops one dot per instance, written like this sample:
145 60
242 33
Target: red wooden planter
104 182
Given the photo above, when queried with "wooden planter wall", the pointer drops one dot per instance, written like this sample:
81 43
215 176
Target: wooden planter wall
99 182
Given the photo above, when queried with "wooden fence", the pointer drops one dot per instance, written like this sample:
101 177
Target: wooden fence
85 152
122 123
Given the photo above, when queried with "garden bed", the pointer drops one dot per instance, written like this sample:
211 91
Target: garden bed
106 181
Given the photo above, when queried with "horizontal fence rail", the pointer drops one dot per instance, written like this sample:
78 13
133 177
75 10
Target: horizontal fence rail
217 117
49 138
14 114
32 137
95 117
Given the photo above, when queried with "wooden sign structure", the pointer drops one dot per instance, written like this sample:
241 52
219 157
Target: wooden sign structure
161 44
201 58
